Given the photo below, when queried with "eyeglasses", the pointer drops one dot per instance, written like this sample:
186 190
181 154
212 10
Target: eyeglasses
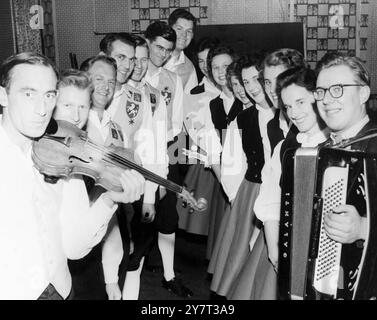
336 91
163 50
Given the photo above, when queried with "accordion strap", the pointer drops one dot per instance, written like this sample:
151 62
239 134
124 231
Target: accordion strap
372 133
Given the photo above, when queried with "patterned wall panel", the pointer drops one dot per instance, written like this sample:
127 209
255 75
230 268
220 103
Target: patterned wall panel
48 36
143 12
332 25
27 39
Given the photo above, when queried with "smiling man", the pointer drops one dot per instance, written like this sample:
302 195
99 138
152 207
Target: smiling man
42 224
343 88
183 22
161 39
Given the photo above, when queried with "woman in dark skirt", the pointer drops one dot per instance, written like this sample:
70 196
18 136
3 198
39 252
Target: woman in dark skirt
200 178
243 144
258 277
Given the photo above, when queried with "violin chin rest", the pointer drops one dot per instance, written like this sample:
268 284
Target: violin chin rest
52 126
51 179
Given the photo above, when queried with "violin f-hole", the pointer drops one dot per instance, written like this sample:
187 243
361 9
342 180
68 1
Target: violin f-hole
71 158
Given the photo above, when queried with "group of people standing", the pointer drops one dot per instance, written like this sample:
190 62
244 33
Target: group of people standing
222 138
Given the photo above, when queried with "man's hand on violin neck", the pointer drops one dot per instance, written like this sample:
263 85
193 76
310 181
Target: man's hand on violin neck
133 187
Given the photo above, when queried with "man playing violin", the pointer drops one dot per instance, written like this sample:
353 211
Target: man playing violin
50 222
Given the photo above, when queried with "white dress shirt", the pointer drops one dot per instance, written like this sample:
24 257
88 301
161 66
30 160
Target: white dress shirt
184 68
42 225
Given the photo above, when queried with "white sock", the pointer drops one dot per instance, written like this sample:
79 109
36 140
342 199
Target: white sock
131 286
166 243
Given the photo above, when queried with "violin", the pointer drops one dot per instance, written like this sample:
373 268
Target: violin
68 151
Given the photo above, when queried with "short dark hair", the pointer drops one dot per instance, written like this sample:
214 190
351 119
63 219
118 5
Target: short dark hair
106 44
75 78
336 58
161 29
30 58
140 41
301 76
287 57
88 63
207 43
254 59
234 70
181 13
221 49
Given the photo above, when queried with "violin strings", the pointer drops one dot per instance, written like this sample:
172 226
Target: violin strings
129 164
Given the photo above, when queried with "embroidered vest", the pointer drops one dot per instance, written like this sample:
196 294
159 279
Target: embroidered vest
167 83
153 95
130 113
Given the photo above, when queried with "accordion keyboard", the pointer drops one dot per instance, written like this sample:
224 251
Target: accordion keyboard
327 265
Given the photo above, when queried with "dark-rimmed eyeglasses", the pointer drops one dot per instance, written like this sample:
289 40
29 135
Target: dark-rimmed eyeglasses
336 91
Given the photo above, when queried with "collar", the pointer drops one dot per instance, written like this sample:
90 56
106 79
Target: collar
312 140
5 141
227 101
120 91
139 85
350 132
209 86
174 61
106 119
149 76
224 97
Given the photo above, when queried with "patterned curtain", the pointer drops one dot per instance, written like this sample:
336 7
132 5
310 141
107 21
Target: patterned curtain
34 28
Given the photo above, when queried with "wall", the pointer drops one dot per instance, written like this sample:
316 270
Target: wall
74 19
247 11
372 45
143 12
76 22
7 44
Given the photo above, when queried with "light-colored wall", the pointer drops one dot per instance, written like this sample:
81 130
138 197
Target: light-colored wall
247 11
75 21
75 26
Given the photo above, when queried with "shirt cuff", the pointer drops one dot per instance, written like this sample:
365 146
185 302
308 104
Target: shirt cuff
150 192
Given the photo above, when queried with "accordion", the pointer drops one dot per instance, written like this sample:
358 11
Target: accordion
311 264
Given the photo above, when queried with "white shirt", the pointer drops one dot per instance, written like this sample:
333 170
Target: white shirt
184 68
233 161
267 204
264 116
227 101
198 123
95 126
41 225
210 87
353 131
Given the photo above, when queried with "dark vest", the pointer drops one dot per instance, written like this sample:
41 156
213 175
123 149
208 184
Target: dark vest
275 134
219 118
252 144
